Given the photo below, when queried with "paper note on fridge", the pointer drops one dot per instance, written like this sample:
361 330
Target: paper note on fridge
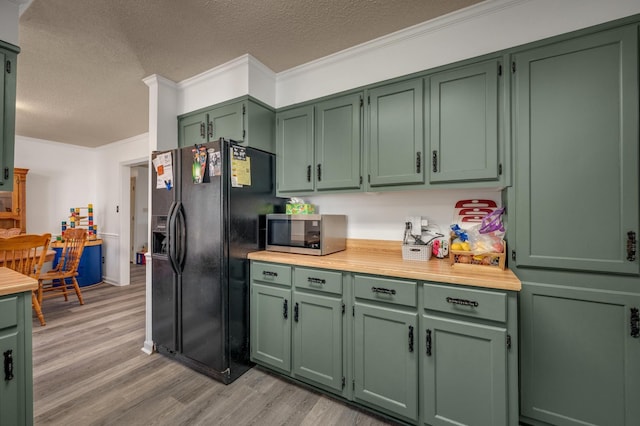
240 167
164 168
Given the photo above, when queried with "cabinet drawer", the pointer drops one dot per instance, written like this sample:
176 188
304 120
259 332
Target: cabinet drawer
314 279
463 301
8 312
271 273
387 290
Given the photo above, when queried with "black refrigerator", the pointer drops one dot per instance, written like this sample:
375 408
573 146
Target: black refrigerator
208 211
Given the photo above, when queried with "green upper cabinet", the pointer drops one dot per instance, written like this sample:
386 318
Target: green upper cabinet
579 356
463 121
245 121
318 146
227 122
8 56
575 108
396 135
294 150
192 129
338 131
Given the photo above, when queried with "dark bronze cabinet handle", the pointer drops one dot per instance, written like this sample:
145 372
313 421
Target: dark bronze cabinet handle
210 129
410 338
635 323
285 309
8 365
313 280
428 340
631 246
463 302
309 173
383 290
296 312
202 135
434 160
418 162
319 172
269 274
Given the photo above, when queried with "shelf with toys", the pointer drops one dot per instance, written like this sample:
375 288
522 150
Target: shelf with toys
90 267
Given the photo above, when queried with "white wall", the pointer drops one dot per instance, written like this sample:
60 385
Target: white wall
381 216
113 171
60 176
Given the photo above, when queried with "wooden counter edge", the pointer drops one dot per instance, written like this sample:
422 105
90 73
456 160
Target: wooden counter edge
385 259
12 282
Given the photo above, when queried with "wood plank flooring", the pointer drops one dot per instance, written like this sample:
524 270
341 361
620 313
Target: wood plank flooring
88 369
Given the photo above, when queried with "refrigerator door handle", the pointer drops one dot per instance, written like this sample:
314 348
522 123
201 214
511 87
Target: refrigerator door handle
171 237
181 237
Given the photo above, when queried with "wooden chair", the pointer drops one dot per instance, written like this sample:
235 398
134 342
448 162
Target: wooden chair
26 254
66 268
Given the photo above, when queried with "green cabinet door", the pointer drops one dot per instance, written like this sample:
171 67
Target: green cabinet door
8 56
576 129
580 361
271 326
385 359
10 400
464 123
16 382
317 339
294 150
396 135
192 129
464 372
337 143
227 122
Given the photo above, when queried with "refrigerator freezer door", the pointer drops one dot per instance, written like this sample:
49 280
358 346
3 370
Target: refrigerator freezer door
164 296
164 280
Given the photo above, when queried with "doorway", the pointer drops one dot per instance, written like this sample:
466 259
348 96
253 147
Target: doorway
138 211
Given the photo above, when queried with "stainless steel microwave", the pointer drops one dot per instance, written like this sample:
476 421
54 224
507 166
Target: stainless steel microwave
316 234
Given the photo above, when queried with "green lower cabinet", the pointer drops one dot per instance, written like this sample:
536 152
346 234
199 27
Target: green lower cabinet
271 326
317 339
580 356
386 359
464 373
16 385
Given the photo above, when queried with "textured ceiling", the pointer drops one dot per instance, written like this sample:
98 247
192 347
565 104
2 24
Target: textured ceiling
82 62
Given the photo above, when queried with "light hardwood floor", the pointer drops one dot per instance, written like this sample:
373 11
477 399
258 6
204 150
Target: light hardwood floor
88 369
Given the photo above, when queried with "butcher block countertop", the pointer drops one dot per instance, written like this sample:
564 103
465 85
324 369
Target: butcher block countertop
382 257
14 282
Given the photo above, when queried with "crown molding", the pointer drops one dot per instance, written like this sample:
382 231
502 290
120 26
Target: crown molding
419 30
228 67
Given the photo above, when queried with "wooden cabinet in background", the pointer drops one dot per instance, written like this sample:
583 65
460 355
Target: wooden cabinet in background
13 210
